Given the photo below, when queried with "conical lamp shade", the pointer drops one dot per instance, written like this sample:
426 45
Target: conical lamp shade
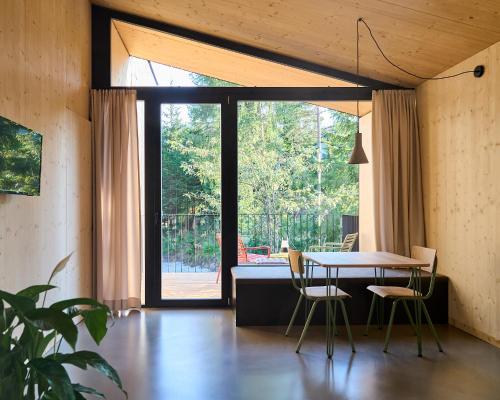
358 155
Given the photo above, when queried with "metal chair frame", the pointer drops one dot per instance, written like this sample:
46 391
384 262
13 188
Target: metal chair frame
296 263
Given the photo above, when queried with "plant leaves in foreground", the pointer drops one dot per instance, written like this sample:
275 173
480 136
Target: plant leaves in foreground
55 375
82 359
47 318
33 292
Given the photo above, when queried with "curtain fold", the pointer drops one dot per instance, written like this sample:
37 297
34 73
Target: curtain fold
117 224
397 173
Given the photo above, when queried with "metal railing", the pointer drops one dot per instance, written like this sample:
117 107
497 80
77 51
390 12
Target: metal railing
189 240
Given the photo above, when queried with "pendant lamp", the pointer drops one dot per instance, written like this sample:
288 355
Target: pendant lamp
358 155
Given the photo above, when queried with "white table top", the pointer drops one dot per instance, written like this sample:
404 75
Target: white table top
362 259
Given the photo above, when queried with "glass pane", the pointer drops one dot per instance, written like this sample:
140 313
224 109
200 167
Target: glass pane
294 179
190 179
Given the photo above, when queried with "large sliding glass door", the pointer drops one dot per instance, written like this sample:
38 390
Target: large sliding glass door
209 153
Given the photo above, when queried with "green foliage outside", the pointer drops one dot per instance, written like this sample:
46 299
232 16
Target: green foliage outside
20 152
279 190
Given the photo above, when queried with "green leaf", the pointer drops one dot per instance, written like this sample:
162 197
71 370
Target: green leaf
50 395
82 359
5 341
20 303
60 266
47 318
84 389
10 360
82 301
9 315
55 375
95 321
11 387
43 343
33 292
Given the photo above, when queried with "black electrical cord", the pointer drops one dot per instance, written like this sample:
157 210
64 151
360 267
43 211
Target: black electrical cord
478 71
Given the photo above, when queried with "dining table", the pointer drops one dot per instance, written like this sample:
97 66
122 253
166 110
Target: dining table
333 261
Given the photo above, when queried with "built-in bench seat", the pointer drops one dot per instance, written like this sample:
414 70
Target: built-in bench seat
264 295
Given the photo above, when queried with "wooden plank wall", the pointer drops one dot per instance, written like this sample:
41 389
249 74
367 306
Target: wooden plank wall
44 85
460 132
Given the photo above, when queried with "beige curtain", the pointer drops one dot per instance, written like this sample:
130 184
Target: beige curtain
117 225
397 174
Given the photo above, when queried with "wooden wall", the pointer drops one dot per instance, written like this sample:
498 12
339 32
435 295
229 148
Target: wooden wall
44 85
460 133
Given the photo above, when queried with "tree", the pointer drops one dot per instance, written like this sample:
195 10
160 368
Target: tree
283 150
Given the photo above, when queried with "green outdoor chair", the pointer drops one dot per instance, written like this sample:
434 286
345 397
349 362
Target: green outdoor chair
314 293
345 246
406 294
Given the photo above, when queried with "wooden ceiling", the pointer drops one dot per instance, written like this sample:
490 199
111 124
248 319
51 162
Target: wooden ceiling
223 64
426 36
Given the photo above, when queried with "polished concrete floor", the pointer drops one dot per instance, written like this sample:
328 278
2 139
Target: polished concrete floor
187 354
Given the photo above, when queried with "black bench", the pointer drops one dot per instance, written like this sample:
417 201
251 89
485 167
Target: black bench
264 295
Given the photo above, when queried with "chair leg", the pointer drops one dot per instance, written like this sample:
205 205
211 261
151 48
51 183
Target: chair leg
306 325
410 318
336 332
431 326
218 273
370 314
348 328
292 320
389 327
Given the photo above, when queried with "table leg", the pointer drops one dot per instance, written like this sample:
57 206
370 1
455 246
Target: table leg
376 300
329 333
419 312
417 290
334 325
380 281
380 309
307 303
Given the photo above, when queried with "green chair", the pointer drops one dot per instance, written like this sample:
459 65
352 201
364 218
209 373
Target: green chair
407 294
314 293
346 245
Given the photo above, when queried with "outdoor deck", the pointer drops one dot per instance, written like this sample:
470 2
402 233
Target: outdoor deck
188 285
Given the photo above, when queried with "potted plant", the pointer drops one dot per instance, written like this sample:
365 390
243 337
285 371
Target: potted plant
31 364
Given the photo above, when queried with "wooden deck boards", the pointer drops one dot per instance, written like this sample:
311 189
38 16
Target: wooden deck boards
187 285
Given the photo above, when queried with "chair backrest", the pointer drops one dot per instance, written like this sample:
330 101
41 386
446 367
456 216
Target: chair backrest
349 241
425 254
242 251
296 261
429 256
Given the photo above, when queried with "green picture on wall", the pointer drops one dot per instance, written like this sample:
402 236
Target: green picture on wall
20 159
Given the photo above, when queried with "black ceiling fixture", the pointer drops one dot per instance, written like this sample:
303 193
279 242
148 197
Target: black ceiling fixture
358 155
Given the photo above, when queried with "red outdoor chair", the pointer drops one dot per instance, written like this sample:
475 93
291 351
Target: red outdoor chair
244 256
